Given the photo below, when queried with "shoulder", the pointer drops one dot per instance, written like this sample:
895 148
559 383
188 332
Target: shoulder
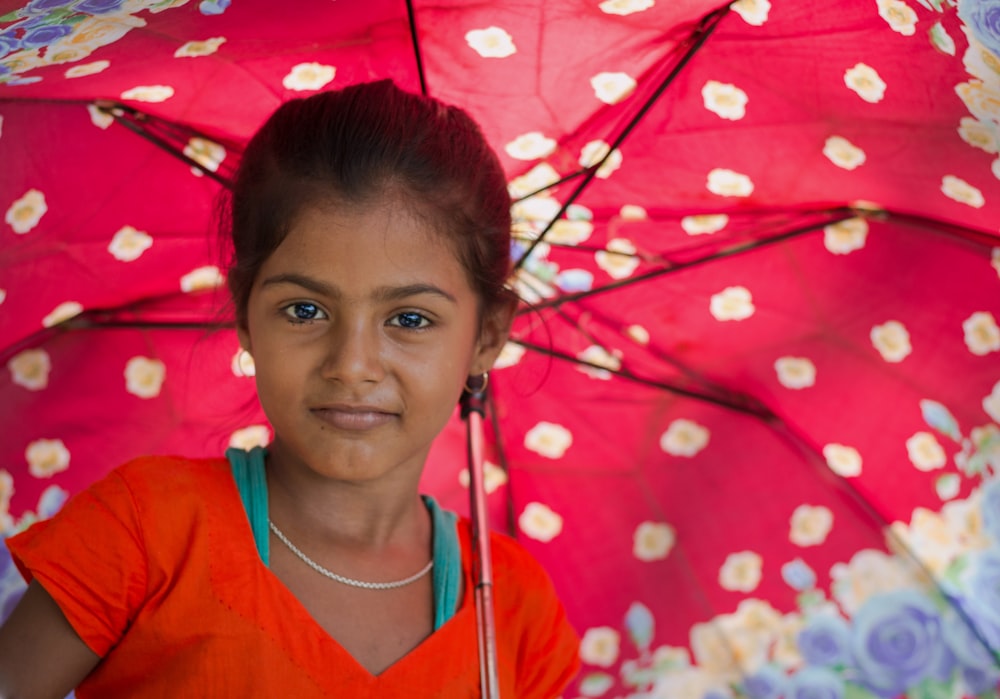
511 559
164 476
514 568
177 468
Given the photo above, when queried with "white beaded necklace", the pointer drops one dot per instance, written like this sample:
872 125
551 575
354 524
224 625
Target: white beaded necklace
349 581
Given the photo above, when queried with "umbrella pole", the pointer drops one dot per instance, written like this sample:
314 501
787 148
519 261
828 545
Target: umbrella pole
473 410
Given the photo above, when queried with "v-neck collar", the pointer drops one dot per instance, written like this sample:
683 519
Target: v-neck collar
242 583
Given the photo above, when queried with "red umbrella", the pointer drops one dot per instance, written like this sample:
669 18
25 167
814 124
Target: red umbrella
748 416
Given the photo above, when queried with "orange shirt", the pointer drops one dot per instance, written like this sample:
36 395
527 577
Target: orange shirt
156 569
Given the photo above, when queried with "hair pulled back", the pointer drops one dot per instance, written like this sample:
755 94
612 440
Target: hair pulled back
355 145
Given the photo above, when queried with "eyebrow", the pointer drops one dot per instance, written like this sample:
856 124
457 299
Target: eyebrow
382 293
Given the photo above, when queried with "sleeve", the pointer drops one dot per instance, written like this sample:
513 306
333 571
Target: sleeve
548 652
91 559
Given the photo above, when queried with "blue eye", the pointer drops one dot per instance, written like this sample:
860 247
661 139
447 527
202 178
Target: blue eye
303 312
410 320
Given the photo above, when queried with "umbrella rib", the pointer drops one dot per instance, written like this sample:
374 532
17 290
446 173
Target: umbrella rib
836 215
731 400
411 16
119 111
946 228
705 28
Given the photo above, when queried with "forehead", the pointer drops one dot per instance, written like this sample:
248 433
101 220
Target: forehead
378 243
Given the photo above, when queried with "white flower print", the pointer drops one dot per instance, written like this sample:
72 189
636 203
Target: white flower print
206 153
511 354
128 244
652 541
149 93
530 146
25 213
892 340
86 69
491 42
961 191
203 278
308 76
795 372
948 486
732 303
47 457
843 460
865 82
843 153
566 232
625 7
724 99
30 369
534 180
600 646
144 376
684 438
704 224
844 237
612 88
924 451
728 183
899 16
633 212
194 49
982 335
619 259
638 334
594 151
741 572
810 525
868 573
62 312
249 437
100 118
539 522
991 403
981 99
981 134
548 439
753 12
494 477
596 354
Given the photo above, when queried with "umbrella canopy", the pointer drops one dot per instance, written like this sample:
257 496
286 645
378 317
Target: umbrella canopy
747 418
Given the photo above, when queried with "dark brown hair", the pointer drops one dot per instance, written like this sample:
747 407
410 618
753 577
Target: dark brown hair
355 145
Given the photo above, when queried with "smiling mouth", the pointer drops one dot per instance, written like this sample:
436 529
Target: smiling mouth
353 418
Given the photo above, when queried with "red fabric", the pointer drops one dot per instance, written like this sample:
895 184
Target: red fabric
155 567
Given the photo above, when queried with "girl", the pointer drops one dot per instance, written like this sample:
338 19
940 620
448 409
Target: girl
371 234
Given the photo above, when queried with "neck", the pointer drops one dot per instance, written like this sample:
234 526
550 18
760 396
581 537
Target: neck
364 516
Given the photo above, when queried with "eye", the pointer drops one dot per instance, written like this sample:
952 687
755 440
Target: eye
303 312
409 320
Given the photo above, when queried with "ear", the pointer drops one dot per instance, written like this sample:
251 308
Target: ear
493 333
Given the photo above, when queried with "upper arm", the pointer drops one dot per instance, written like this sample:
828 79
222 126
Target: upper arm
40 653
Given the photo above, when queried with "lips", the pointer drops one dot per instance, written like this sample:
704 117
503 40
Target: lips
353 418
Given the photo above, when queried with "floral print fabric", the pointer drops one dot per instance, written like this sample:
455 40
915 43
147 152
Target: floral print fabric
748 417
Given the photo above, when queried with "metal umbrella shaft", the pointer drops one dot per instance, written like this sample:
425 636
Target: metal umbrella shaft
473 412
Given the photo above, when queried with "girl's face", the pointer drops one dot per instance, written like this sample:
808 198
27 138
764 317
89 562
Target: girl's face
363 328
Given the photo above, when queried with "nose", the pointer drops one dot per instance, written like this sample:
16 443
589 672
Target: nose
354 353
